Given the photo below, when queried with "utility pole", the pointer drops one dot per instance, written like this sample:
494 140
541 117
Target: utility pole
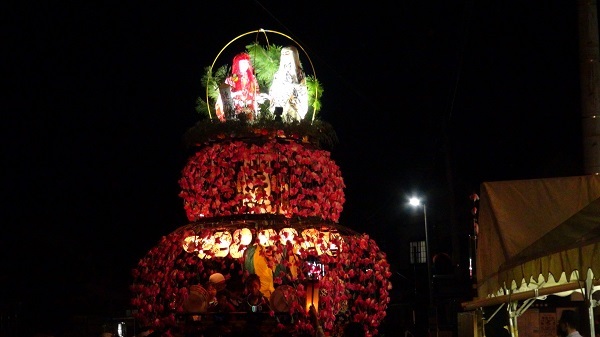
590 84
589 55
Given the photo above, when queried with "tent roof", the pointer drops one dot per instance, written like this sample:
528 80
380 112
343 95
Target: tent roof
532 232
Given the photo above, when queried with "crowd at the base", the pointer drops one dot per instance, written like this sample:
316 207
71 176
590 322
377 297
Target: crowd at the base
214 296
214 299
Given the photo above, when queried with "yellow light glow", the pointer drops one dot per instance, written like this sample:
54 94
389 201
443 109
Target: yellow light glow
265 237
312 295
289 235
207 243
310 236
334 249
222 243
191 243
322 241
242 237
245 236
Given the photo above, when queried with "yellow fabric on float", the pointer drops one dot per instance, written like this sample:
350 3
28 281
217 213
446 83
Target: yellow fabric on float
261 268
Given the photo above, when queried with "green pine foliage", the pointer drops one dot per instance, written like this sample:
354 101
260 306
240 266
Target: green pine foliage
212 81
265 62
315 91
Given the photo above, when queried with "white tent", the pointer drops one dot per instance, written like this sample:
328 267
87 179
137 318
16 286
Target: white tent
538 237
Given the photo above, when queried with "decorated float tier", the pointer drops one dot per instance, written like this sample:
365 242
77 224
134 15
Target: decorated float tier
271 177
342 273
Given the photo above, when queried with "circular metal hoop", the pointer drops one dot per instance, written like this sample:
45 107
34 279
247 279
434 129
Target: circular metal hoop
264 31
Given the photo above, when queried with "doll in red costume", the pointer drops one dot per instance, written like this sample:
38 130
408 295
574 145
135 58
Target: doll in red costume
243 90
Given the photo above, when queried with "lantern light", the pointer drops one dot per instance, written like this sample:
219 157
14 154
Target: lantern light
265 237
322 241
310 236
312 295
191 243
335 243
242 237
207 244
289 235
222 243
245 236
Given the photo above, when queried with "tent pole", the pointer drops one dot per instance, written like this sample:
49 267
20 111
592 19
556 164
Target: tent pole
487 320
512 318
589 285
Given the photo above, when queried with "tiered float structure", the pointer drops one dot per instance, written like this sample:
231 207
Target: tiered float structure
263 196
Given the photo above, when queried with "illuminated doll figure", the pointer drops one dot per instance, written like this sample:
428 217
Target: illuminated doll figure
288 89
239 94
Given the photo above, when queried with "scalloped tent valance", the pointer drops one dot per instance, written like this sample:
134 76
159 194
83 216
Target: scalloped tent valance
536 238
534 231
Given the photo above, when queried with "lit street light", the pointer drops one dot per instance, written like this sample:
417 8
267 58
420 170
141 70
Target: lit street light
416 202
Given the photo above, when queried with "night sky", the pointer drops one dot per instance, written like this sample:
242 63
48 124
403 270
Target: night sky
425 98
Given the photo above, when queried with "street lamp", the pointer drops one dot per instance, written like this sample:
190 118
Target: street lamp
416 202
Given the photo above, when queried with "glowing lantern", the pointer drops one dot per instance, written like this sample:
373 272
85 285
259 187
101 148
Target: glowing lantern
310 236
322 241
265 237
334 243
222 242
190 244
207 244
241 239
289 235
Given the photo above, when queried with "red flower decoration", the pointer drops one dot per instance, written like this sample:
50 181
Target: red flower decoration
271 178
355 286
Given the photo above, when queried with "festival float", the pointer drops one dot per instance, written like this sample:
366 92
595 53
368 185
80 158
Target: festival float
262 196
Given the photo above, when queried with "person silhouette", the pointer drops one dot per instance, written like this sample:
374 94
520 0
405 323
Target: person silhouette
255 300
569 323
255 304
219 299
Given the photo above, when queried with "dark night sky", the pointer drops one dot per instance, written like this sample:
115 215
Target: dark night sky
429 97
